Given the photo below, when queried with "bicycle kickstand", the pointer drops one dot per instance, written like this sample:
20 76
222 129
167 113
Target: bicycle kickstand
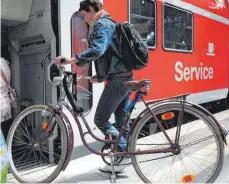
111 156
113 175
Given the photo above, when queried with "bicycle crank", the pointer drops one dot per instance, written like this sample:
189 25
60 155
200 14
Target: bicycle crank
106 149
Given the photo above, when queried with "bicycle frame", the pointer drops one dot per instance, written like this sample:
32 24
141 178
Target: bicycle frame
138 97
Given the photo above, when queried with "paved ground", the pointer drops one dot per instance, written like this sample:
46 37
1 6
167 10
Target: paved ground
85 169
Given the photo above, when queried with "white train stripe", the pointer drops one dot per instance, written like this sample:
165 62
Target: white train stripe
197 10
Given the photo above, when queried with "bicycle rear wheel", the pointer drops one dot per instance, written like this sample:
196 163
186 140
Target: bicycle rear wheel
201 147
36 154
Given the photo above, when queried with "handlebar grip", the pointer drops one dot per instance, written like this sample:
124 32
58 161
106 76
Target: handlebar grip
62 60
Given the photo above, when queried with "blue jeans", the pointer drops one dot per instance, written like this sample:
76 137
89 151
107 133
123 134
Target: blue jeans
114 99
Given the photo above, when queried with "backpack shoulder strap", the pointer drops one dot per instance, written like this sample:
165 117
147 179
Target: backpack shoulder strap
116 52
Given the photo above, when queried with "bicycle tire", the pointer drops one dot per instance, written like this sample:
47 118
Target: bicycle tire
60 122
169 106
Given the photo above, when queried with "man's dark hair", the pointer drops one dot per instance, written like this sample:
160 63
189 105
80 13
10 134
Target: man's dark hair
95 4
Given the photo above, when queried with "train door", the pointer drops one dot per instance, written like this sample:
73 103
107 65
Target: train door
72 29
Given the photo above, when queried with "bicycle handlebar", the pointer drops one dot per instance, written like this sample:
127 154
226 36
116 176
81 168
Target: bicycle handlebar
67 74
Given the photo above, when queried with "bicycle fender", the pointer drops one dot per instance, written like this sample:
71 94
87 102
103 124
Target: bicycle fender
152 104
70 135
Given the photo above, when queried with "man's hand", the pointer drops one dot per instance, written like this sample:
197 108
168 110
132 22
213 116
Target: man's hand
62 60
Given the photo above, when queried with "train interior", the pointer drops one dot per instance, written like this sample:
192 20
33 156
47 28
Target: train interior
28 43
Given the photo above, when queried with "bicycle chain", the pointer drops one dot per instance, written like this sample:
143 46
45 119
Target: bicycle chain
153 144
148 144
148 160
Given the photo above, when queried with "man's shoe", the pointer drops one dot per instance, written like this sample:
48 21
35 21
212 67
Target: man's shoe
117 168
107 169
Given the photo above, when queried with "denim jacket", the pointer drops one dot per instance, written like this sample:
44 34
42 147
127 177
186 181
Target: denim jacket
99 51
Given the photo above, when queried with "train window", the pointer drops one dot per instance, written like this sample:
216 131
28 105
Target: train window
177 29
84 88
143 16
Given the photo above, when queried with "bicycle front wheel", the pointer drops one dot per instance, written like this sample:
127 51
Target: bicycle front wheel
37 154
200 154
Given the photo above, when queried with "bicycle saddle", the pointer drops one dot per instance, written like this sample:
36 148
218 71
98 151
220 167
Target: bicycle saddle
135 85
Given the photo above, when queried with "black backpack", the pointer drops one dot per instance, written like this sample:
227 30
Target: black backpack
130 48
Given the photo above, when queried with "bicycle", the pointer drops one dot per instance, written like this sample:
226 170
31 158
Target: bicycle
164 130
